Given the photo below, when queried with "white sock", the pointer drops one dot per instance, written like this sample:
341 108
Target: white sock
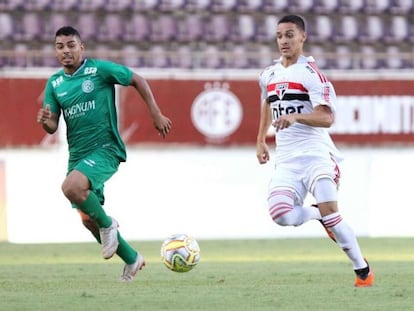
346 239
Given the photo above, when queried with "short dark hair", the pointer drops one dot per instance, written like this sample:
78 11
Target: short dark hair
67 31
295 19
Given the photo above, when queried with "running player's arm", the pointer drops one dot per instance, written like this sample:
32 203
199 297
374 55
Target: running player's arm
321 116
322 95
262 150
161 123
48 119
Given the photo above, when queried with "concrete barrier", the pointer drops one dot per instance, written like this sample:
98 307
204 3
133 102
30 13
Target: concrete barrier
211 193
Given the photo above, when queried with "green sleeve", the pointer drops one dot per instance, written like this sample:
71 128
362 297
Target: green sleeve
50 98
115 73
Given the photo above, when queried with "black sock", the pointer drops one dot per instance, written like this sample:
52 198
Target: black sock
362 273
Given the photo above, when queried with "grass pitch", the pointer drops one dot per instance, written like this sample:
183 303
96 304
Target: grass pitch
280 274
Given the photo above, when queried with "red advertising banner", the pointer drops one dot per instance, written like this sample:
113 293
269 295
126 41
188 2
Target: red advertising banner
220 112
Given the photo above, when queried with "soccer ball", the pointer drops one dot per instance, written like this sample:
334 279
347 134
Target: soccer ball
180 253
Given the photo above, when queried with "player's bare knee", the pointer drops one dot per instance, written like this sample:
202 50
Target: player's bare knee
73 192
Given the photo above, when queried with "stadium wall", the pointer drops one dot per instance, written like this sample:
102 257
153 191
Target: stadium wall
204 178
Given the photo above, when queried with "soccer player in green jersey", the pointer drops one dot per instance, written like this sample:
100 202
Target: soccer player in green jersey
84 92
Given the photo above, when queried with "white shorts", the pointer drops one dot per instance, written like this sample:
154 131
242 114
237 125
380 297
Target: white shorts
300 173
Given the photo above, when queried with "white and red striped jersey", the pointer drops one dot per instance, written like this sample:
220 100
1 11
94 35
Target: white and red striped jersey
298 88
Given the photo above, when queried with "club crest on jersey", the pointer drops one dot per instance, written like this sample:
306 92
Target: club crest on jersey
87 86
281 88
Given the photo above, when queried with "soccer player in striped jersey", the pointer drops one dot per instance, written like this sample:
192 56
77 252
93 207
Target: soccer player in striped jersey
83 91
298 100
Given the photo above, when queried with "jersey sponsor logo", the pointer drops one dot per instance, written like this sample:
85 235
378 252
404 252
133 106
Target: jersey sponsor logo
90 70
216 112
79 110
88 86
279 110
57 81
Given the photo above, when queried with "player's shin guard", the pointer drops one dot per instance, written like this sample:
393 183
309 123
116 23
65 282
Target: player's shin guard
92 207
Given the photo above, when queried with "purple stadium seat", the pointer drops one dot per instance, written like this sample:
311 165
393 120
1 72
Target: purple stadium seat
197 5
265 55
394 59
31 26
192 28
89 5
48 58
211 58
56 21
158 57
63 5
377 6
88 26
36 5
266 31
171 5
104 51
138 28
398 29
184 57
7 27
21 55
118 5
239 58
344 58
401 6
301 6
351 6
318 52
250 6
12 5
348 29
218 29
374 30
144 5
320 29
164 28
275 6
245 29
113 27
369 59
326 6
131 56
223 5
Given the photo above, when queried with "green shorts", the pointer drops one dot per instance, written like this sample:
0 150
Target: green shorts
98 166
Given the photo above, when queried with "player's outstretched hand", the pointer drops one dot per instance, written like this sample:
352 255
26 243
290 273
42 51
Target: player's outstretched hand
44 114
262 152
163 125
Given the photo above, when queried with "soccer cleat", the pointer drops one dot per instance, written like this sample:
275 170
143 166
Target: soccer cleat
328 231
129 272
364 277
109 239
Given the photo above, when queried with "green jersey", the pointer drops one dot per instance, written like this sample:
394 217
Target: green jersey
87 100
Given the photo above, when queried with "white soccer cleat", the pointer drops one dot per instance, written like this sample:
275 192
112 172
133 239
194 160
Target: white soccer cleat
129 272
109 239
